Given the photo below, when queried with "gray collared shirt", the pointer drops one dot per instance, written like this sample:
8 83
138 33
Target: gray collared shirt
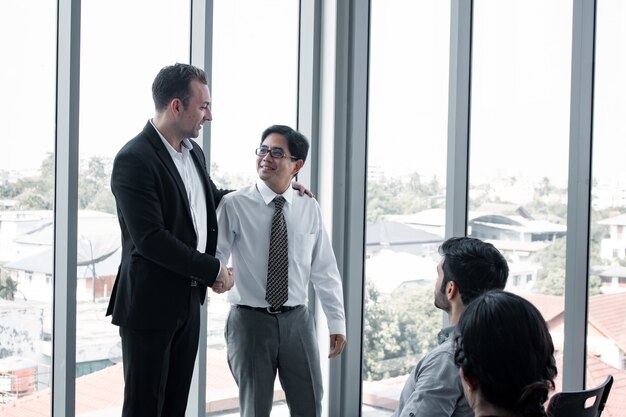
434 388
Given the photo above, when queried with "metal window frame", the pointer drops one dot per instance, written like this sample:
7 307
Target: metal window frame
579 195
344 130
65 209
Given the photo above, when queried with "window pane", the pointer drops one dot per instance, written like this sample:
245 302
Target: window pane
27 82
606 351
255 69
519 145
407 141
117 70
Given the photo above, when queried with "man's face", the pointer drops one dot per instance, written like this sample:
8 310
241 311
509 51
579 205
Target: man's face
441 301
276 172
197 111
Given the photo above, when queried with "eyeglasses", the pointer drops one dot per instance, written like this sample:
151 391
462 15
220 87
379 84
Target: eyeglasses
277 153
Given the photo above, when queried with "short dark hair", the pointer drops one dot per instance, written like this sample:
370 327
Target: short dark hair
296 141
173 82
474 266
503 344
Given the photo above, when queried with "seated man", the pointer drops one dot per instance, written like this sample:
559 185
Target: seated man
468 268
278 245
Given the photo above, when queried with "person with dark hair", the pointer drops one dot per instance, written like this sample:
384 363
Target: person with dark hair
278 246
166 205
468 268
506 356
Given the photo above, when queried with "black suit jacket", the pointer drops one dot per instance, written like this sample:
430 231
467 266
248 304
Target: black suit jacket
159 256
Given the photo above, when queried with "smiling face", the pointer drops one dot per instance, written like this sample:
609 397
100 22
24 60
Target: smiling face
277 172
197 111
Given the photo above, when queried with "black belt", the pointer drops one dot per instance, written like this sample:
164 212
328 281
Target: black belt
270 309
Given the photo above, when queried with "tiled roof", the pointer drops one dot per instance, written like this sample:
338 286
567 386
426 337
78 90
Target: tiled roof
607 313
103 390
96 391
550 306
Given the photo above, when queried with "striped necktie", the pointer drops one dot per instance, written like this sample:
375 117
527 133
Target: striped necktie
278 262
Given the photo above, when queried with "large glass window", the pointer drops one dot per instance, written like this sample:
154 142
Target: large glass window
407 138
255 81
606 333
27 80
519 144
117 70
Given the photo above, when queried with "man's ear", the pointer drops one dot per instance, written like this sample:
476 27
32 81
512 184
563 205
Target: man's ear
297 167
176 105
452 290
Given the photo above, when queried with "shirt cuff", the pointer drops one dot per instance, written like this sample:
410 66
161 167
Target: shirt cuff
337 327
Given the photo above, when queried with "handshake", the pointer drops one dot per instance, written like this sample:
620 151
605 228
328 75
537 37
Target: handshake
224 280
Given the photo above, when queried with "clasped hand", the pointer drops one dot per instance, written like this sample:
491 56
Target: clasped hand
224 280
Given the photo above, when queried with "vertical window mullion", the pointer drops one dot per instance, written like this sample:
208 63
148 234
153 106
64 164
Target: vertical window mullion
65 209
350 166
579 194
458 118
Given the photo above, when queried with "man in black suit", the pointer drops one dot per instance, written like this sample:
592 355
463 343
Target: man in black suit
166 208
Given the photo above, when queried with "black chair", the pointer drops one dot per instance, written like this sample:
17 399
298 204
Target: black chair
572 404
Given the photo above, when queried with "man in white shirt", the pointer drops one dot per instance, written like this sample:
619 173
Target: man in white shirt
269 331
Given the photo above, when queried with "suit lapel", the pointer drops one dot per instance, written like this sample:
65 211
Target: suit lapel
166 158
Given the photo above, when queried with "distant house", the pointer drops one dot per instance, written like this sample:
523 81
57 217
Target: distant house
615 245
400 237
31 262
509 227
28 260
522 275
499 222
389 270
613 278
16 225
514 228
606 335
431 220
94 276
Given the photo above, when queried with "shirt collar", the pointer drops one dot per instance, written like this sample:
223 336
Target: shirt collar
268 195
185 144
445 334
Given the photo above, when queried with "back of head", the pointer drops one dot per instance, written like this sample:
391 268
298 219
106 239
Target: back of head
475 266
173 82
297 142
504 347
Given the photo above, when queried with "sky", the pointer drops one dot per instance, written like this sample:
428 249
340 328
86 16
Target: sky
520 81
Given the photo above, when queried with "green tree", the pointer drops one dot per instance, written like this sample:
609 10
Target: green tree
8 286
398 330
419 319
551 277
381 335
93 179
35 193
401 195
32 201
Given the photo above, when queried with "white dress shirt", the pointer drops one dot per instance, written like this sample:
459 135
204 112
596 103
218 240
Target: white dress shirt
244 227
193 185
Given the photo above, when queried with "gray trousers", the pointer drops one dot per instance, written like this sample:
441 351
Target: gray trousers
259 344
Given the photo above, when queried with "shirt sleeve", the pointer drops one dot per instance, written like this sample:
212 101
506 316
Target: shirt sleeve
327 281
433 388
225 231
